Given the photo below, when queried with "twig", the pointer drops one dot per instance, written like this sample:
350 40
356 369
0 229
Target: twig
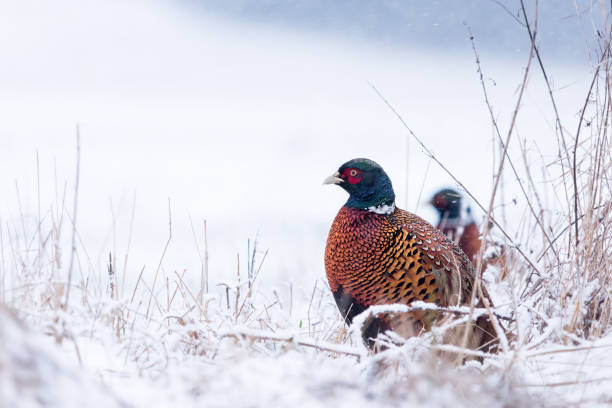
252 263
565 383
237 298
558 125
477 287
563 232
137 282
195 241
314 289
505 150
586 102
74 215
449 348
182 282
40 243
127 252
420 306
289 338
206 255
248 295
536 353
111 275
162 257
532 36
500 4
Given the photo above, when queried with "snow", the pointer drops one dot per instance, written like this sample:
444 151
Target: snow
382 209
33 374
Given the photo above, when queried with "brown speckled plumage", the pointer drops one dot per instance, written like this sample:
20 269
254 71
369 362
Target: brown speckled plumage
384 259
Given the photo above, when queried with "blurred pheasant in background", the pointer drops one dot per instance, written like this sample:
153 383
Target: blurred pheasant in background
457 226
460 227
378 254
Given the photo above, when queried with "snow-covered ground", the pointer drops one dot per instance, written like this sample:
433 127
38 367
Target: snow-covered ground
238 123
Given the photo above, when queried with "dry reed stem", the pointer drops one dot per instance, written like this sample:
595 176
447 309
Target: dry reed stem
129 244
161 259
206 256
498 133
477 284
292 339
553 102
248 295
74 216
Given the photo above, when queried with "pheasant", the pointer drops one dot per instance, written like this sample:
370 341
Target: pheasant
378 254
460 227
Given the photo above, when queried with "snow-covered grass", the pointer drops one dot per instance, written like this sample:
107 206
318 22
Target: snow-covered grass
254 347
162 335
165 341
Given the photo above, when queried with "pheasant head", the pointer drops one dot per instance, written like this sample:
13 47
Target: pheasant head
448 203
368 186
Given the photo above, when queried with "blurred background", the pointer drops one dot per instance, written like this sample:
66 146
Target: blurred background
235 112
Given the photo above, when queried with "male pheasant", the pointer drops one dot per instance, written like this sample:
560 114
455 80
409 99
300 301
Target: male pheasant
460 227
378 254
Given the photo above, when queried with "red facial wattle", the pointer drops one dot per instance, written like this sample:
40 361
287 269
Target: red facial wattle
353 176
440 202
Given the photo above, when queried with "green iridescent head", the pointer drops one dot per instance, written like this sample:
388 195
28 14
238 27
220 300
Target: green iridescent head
367 183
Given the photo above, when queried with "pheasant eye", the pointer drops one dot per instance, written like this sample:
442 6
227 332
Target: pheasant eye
353 176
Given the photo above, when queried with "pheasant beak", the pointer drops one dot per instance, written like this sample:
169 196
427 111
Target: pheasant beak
333 179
